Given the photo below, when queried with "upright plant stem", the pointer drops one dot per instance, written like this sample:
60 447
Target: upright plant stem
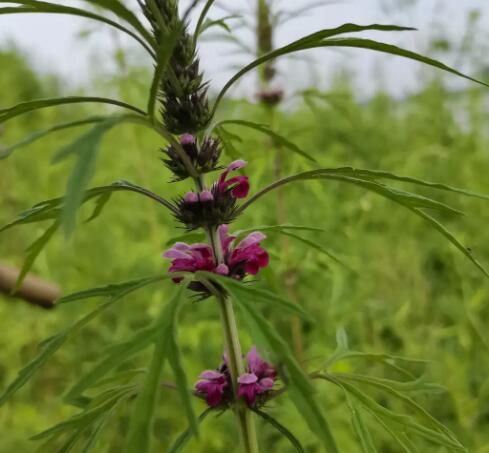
235 357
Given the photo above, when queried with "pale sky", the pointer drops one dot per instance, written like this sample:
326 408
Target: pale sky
75 48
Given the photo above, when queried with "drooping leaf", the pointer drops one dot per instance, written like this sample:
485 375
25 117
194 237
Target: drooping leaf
445 232
140 425
369 44
52 344
397 195
413 202
36 6
281 429
277 138
125 14
323 39
376 175
33 252
30 106
113 289
5 152
51 209
184 438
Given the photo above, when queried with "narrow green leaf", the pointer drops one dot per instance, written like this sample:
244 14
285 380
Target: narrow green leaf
26 107
317 247
100 204
163 55
445 232
199 28
92 438
113 289
277 138
115 356
50 209
222 23
307 42
36 6
278 229
86 150
184 438
376 175
48 348
5 152
399 437
33 252
52 344
140 426
90 415
254 293
342 339
360 428
320 39
124 13
394 50
281 429
227 141
437 436
181 381
394 389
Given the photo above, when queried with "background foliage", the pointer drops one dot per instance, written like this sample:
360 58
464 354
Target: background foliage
407 293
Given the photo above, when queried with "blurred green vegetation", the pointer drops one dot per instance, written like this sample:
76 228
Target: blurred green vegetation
410 294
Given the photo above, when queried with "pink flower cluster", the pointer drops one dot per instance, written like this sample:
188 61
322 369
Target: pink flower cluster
253 386
247 257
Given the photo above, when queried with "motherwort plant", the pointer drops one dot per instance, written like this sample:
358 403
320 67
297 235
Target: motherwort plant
218 268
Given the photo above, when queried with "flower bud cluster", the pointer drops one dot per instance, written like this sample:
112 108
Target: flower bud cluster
183 92
204 157
216 205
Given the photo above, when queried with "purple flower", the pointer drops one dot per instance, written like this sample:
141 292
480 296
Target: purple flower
247 257
190 258
254 386
212 385
258 381
238 185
